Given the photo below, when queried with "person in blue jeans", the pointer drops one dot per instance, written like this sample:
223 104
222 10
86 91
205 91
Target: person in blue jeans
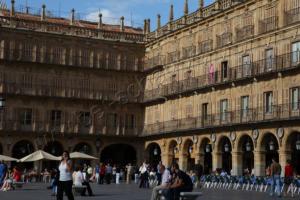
3 171
276 180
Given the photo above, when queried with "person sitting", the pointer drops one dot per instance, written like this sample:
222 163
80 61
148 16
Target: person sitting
166 176
3 171
7 184
16 175
182 183
80 181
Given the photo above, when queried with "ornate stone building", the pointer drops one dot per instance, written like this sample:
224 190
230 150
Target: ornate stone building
217 87
225 92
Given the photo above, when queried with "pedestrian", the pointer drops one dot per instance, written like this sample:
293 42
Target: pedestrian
108 173
97 173
118 171
275 174
3 171
65 177
129 173
166 176
288 177
143 175
114 173
158 174
102 174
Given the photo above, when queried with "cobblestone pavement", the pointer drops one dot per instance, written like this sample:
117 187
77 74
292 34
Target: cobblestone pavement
125 192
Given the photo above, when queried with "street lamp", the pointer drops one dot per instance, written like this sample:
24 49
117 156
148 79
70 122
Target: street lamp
226 147
248 146
207 148
53 151
298 144
175 150
190 149
98 144
155 151
272 146
2 102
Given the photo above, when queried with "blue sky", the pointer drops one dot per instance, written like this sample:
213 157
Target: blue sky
112 10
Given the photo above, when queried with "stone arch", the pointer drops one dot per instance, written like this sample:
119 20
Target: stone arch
173 149
84 148
269 145
1 149
206 154
153 153
292 147
187 157
55 148
119 153
224 148
21 149
245 149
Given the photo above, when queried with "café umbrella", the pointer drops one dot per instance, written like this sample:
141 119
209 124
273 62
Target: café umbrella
79 155
39 155
7 158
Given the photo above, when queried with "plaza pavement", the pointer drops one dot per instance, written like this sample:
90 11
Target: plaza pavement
125 192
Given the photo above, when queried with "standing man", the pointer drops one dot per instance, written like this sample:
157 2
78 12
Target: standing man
158 174
166 177
129 172
108 173
275 174
3 170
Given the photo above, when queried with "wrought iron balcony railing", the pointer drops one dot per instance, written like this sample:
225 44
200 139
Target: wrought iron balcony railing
154 62
232 118
67 59
188 52
62 128
245 32
268 24
257 68
224 39
292 16
173 57
205 46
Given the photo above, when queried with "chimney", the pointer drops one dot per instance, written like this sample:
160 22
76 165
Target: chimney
158 24
72 17
100 21
171 14
12 8
122 24
186 7
43 14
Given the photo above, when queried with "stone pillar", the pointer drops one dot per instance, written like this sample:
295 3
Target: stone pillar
72 20
145 26
100 21
171 17
201 4
283 157
282 17
166 159
148 26
259 163
183 161
237 163
216 160
186 7
12 8
199 158
122 28
158 21
43 14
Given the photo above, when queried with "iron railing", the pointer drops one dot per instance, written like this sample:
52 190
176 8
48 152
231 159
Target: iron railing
230 118
76 60
205 46
154 62
241 72
268 24
245 32
224 39
292 16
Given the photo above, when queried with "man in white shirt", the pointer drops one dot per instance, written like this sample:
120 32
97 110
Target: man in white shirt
166 176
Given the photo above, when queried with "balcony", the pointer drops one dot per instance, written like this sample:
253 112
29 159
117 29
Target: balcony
292 16
52 91
268 24
65 128
188 52
67 59
238 73
205 46
224 39
227 119
245 32
154 63
173 57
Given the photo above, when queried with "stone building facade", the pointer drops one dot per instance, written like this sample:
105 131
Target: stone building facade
217 87
225 92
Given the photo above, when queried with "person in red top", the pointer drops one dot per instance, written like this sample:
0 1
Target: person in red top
16 175
288 176
102 173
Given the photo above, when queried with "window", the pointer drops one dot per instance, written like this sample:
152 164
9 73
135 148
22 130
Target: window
173 78
268 102
85 58
246 65
295 98
27 81
188 74
244 105
189 110
224 68
223 108
296 53
269 59
85 119
205 111
111 120
56 117
57 55
26 116
129 121
27 51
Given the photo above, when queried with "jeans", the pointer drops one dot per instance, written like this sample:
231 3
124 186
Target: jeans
276 185
64 186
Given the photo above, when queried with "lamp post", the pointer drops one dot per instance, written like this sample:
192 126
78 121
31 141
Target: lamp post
226 148
207 148
298 144
175 150
155 151
248 146
2 102
190 149
271 145
98 144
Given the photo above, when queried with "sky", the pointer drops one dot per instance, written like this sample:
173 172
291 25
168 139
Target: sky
134 11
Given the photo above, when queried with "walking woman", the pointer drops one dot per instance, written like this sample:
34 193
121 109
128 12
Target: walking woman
65 177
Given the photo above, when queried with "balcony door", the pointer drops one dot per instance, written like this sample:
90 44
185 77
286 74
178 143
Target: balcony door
269 59
295 53
246 66
223 109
